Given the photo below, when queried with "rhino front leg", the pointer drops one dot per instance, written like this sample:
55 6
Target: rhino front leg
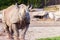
6 28
15 32
23 32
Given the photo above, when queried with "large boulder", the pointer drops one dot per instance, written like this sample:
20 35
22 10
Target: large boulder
54 15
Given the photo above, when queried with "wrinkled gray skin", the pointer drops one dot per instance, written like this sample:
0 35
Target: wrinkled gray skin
14 18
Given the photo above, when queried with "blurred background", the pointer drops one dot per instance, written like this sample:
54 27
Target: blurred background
35 3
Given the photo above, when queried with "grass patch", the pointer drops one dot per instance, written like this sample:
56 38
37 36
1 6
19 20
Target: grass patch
52 38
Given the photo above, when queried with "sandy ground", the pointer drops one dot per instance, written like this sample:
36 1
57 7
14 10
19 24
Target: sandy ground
43 29
38 29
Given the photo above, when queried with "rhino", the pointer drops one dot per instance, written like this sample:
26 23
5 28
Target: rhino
16 17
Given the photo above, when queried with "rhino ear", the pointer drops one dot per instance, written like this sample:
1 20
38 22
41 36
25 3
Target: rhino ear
29 7
17 5
16 2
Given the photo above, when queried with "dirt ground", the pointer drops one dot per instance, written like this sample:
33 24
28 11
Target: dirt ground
38 29
43 29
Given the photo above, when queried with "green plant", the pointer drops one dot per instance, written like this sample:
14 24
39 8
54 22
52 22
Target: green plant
51 38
